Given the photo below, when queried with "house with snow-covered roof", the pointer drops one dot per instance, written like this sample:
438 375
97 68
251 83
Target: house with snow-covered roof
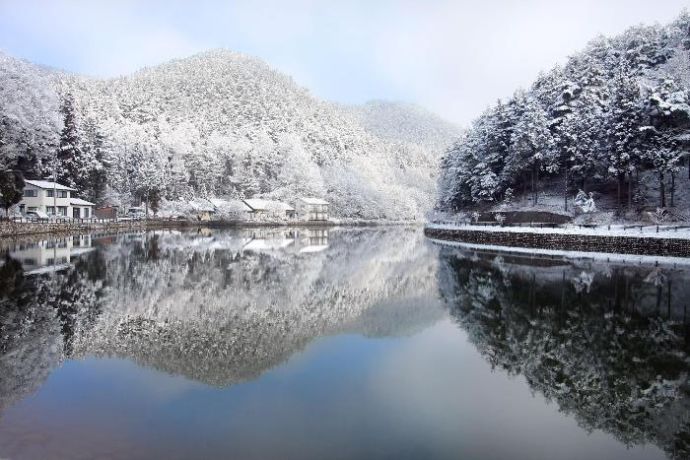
53 199
230 209
312 209
269 208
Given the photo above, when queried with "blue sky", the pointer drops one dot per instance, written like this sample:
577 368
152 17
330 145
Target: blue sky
453 57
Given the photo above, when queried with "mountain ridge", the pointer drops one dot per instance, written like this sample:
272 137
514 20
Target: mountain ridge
222 123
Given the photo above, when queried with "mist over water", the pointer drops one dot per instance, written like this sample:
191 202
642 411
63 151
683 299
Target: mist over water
340 343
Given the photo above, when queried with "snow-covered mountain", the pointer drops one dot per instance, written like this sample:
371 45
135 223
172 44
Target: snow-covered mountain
221 124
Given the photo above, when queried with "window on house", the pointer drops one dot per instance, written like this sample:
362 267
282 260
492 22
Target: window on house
62 210
86 213
50 210
57 193
30 193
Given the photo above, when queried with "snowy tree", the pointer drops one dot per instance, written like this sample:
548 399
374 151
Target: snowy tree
533 142
11 189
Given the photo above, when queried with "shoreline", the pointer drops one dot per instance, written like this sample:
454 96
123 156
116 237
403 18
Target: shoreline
14 230
564 239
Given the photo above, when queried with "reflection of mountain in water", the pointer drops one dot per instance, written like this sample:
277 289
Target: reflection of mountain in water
608 343
217 307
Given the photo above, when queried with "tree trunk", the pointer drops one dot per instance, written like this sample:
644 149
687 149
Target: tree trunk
565 191
535 184
673 187
662 191
629 191
618 191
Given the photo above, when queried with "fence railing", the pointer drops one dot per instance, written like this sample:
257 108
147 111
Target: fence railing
75 220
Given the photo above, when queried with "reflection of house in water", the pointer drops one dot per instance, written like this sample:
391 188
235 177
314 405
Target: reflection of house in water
269 240
52 255
303 241
314 240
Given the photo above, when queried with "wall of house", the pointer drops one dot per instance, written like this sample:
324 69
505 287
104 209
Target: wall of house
316 212
41 202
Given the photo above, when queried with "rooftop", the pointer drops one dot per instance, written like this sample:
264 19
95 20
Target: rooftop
80 202
48 185
267 205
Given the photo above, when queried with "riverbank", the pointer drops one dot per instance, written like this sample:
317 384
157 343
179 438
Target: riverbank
19 229
655 241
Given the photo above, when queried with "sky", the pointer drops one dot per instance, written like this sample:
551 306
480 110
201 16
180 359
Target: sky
452 57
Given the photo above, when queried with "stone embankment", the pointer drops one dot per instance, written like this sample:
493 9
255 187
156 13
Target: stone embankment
10 229
675 247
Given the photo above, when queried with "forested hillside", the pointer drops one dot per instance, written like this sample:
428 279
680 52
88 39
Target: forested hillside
217 124
614 120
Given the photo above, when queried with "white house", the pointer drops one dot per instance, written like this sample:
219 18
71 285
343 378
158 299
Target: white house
312 209
53 199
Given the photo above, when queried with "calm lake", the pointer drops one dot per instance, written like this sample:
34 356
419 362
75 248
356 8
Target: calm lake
339 343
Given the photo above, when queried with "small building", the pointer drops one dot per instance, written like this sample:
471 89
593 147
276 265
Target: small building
81 209
106 212
230 209
312 209
269 208
203 209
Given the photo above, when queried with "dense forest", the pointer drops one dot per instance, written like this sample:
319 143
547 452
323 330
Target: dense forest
612 115
217 124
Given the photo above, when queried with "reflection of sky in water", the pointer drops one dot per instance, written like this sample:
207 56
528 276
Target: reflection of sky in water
425 396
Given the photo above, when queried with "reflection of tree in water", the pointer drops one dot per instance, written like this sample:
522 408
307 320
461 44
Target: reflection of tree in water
207 309
608 343
39 317
202 307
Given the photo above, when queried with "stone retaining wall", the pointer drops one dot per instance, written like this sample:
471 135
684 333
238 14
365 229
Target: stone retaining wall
13 229
587 243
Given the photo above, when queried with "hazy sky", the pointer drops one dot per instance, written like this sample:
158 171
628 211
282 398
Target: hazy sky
453 57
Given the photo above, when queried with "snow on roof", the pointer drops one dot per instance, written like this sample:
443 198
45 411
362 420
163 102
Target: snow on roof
44 184
80 202
202 205
229 205
311 200
267 205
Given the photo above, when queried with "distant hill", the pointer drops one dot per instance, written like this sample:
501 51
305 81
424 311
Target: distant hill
406 123
220 123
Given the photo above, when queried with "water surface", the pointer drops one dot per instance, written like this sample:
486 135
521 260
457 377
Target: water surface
342 343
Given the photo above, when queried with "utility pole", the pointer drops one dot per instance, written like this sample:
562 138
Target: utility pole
55 184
